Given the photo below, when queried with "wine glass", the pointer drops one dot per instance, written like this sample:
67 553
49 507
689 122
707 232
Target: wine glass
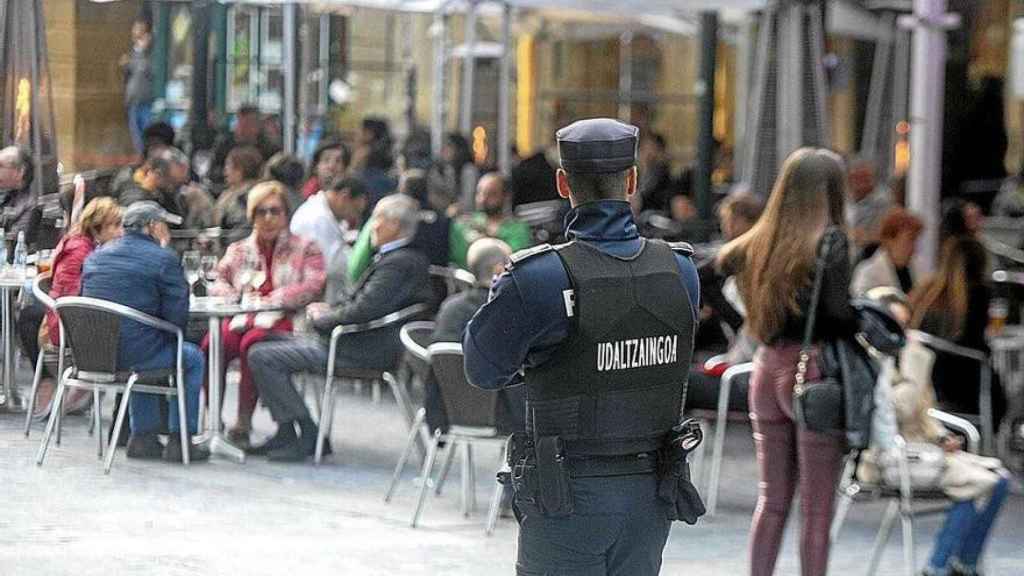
209 266
190 261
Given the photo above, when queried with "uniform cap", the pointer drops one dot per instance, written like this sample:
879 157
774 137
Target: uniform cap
598 145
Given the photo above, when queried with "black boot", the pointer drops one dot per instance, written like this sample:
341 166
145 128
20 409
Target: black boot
285 436
309 433
173 452
145 446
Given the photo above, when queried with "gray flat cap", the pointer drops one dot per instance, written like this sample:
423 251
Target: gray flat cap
598 145
141 213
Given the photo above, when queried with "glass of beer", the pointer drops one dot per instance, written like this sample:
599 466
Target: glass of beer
44 263
998 310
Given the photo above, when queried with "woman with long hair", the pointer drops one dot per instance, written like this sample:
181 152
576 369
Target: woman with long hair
953 305
774 266
100 223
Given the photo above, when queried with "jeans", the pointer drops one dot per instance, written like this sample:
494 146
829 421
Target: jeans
965 530
144 409
788 456
138 119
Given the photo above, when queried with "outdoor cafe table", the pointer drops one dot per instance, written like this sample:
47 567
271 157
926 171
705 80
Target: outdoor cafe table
215 309
10 283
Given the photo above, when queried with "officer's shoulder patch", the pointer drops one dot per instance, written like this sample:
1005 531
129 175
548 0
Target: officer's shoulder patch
528 253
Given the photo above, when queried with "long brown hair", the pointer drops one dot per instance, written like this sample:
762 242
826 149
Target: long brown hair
962 266
773 260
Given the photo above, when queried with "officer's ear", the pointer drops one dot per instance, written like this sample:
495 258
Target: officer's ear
631 180
563 185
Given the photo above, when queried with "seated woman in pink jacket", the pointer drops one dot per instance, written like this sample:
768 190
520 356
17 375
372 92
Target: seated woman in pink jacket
279 267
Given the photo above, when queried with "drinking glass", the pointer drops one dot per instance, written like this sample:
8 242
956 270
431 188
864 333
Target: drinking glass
209 265
190 262
998 310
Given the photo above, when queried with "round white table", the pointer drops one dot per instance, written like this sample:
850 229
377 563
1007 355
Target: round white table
215 309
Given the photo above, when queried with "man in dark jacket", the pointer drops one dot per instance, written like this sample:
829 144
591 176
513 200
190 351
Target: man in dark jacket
486 260
138 81
138 271
162 174
398 278
17 197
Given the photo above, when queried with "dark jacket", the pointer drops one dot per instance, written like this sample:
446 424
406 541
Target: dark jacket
18 206
138 272
525 320
397 279
138 78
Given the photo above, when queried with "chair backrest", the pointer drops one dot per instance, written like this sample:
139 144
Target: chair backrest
415 337
41 290
465 404
92 332
92 329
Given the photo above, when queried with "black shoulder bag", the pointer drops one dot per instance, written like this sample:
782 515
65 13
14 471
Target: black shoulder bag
818 405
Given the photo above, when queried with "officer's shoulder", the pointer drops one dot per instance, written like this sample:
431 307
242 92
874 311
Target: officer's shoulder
518 259
681 248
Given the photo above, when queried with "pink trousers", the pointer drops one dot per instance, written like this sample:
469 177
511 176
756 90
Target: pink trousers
788 457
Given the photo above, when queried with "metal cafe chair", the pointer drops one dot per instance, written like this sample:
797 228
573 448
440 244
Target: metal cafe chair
397 388
415 337
41 290
985 418
904 502
472 420
91 329
732 376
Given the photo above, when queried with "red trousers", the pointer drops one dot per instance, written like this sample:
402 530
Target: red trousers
236 345
788 456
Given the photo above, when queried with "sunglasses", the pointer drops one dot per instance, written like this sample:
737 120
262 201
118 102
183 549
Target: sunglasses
272 211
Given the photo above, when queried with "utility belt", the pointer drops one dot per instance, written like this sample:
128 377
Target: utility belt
539 472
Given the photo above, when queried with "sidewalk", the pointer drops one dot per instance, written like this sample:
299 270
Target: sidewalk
221 518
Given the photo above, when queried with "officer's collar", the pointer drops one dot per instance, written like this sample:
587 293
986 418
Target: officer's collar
601 220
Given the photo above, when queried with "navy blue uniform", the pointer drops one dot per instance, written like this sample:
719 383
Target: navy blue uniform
618 526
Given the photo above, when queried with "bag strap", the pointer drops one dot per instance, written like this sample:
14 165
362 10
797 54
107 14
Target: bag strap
824 247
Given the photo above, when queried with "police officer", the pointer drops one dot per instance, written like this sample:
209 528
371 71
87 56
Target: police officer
600 330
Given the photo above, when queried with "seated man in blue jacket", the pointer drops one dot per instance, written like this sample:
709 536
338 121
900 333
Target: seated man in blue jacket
140 272
397 278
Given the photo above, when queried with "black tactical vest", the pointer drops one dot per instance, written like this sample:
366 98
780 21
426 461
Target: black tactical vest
617 383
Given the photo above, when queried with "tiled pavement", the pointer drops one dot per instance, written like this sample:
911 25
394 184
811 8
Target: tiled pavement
258 518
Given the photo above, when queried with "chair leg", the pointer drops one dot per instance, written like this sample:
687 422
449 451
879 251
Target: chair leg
401 396
326 418
410 442
50 424
185 437
375 392
471 469
446 467
59 407
907 524
842 508
36 378
118 422
465 479
97 420
721 420
428 465
499 492
883 536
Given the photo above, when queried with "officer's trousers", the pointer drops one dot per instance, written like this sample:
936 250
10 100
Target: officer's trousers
618 528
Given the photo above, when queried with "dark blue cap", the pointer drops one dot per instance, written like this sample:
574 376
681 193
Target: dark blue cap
598 146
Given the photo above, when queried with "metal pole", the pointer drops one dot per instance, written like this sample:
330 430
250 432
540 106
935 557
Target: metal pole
288 110
200 49
437 120
706 126
926 112
37 33
791 79
504 89
625 75
745 51
468 71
